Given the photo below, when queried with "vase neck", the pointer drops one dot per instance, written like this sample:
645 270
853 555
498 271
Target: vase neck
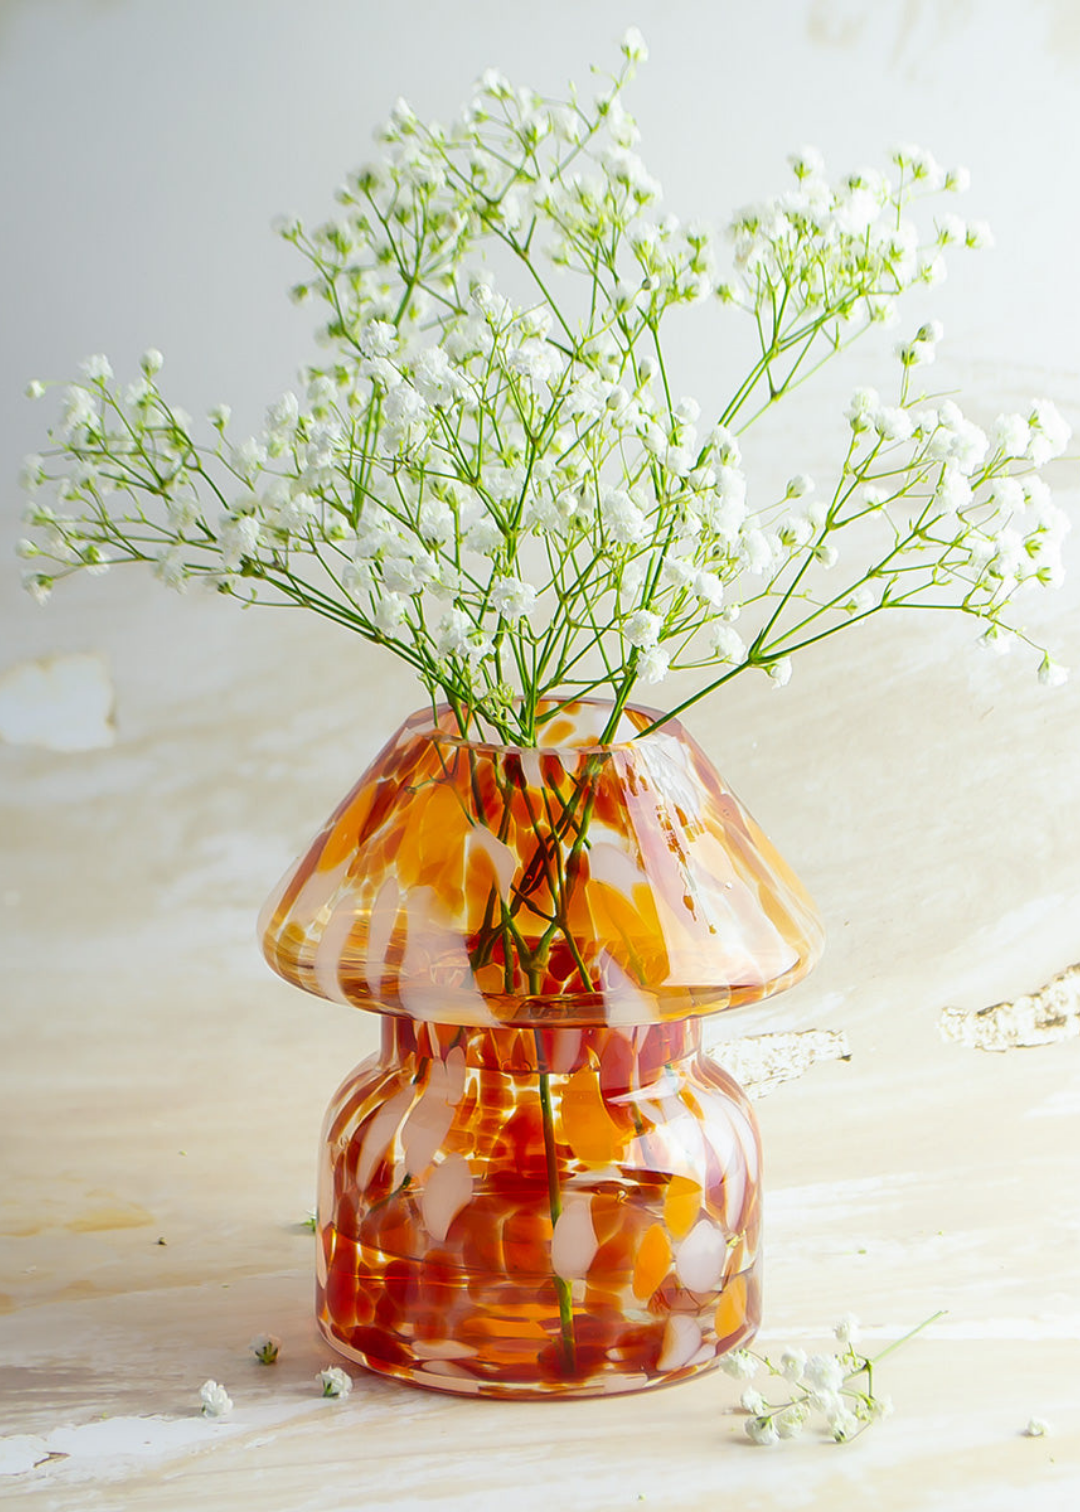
627 1055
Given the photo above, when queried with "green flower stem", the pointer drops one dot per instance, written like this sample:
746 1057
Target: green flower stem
562 1286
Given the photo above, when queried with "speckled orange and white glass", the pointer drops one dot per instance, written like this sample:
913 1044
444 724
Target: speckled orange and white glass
540 1185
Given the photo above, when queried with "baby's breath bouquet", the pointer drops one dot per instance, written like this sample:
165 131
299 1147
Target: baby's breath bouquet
492 473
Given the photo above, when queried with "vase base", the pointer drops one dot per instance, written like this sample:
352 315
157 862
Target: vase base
520 1349
462 1379
492 1228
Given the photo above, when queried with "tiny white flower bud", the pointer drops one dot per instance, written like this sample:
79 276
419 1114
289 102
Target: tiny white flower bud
38 585
843 1424
762 1430
916 353
642 628
846 1328
792 1362
687 411
32 473
286 225
780 672
334 1382
653 665
216 1401
979 235
951 229
633 45
807 162
512 598
791 1421
1051 673
799 485
265 1348
97 368
740 1364
823 1373
864 404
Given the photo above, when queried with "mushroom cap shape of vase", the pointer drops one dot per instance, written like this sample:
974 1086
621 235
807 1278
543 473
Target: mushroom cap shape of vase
540 1185
568 885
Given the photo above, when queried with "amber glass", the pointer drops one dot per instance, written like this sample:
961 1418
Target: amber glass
541 1185
486 885
465 1246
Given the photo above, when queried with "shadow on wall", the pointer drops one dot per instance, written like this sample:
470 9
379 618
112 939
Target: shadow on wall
917 26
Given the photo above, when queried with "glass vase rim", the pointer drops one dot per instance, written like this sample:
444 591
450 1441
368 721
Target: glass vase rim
668 726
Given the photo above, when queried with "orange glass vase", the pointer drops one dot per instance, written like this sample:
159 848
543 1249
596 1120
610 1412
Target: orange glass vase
540 1185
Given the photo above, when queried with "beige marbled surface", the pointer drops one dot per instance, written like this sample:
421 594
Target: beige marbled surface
156 1082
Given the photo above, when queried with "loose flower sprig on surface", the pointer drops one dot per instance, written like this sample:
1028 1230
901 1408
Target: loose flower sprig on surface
216 1401
266 1348
506 490
1037 1428
824 1384
334 1382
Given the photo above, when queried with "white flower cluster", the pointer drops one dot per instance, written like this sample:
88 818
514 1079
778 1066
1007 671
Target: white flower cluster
215 1401
821 1384
979 516
499 485
848 248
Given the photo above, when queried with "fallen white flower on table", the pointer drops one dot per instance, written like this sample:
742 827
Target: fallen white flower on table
216 1401
762 1430
740 1364
792 1364
334 1382
265 1348
823 1373
828 1385
1037 1428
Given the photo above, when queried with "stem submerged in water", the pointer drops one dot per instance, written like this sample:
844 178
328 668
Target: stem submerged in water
562 1287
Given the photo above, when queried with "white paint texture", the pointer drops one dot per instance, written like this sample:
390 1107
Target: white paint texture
762 1062
64 703
1040 1018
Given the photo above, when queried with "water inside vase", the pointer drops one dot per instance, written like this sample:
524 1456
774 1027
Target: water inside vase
528 1212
